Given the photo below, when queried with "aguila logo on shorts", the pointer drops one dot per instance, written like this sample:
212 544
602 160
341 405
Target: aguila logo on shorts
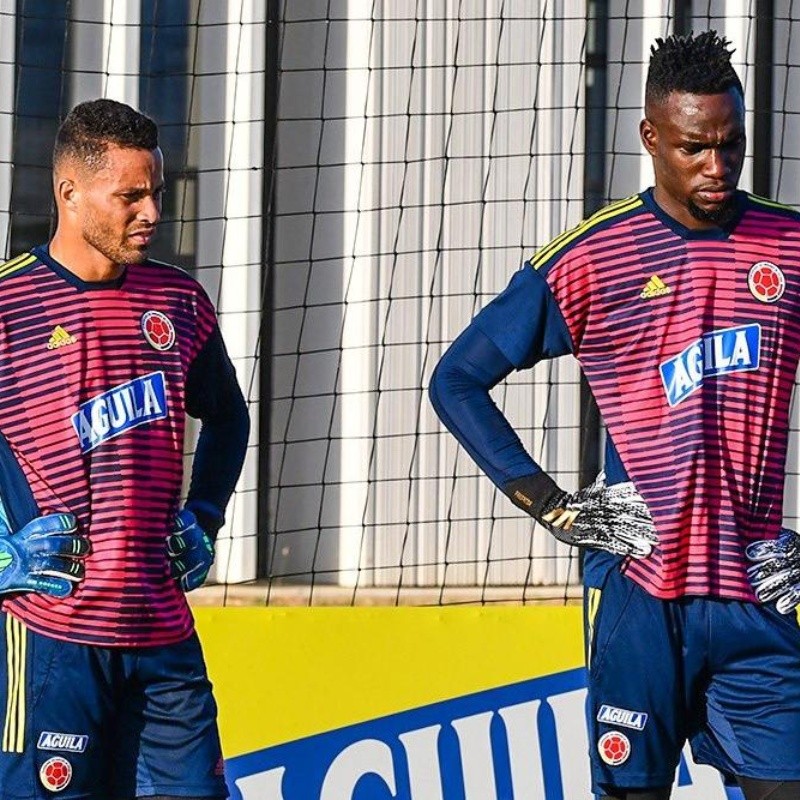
720 352
71 742
621 716
158 330
614 748
766 282
55 774
120 409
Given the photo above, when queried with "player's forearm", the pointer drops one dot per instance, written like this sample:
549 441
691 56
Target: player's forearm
218 461
459 393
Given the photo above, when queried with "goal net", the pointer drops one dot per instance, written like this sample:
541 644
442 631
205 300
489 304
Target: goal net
352 180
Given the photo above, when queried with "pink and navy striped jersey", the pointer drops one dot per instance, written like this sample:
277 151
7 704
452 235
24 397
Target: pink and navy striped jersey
690 341
92 403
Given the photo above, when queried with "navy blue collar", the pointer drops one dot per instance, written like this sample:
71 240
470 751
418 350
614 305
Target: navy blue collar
42 252
713 234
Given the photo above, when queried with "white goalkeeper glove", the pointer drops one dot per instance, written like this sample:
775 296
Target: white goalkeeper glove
775 574
611 518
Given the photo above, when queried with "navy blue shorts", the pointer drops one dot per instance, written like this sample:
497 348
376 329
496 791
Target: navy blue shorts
95 723
722 674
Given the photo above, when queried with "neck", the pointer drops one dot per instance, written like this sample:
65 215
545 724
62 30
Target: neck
682 214
83 260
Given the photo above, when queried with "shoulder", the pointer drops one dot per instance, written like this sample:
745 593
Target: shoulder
168 279
18 265
610 216
772 208
174 291
168 274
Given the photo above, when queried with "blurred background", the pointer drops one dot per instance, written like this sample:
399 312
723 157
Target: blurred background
351 180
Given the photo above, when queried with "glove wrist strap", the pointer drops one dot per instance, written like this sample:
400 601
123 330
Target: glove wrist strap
535 494
208 517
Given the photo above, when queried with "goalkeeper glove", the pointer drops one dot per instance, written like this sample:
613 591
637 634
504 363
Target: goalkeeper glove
190 550
775 574
611 518
44 556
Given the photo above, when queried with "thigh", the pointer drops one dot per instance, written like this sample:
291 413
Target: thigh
770 790
56 703
635 713
168 720
753 699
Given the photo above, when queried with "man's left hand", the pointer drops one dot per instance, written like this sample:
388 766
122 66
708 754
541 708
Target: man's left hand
775 574
190 550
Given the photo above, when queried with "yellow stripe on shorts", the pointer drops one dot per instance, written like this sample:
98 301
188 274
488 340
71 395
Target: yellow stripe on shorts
16 653
592 606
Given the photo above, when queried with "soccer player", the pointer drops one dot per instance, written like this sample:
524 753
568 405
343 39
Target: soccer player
682 305
102 354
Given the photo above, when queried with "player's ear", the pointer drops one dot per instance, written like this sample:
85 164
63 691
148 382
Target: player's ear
648 135
66 191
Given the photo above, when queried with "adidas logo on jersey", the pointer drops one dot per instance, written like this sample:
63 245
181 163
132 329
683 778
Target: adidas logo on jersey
60 337
655 287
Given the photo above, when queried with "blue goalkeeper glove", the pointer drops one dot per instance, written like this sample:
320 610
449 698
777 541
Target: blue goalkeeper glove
775 574
44 556
190 550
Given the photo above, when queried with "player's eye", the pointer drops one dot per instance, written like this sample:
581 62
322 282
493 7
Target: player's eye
733 144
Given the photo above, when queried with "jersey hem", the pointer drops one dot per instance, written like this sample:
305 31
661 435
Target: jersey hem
676 594
113 644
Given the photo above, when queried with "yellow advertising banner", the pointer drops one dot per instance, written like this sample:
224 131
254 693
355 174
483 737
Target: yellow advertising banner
453 703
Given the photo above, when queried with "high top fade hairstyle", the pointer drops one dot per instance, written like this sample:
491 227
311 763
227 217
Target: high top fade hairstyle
694 64
91 127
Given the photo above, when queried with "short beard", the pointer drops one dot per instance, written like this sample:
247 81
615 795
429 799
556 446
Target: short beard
119 255
719 216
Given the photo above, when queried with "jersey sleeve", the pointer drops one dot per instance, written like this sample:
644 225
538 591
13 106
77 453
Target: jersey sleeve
520 327
214 397
525 322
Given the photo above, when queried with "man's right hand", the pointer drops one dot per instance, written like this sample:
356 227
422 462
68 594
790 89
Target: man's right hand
611 518
44 556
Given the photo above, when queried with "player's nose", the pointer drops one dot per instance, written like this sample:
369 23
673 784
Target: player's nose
150 210
716 164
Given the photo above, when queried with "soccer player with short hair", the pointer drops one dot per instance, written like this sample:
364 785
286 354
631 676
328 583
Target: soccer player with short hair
682 305
103 352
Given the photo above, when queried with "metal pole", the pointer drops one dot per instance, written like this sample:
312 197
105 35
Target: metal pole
271 84
762 105
682 23
594 182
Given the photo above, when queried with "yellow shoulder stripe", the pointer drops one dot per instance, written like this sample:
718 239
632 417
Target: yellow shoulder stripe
604 214
16 264
763 201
